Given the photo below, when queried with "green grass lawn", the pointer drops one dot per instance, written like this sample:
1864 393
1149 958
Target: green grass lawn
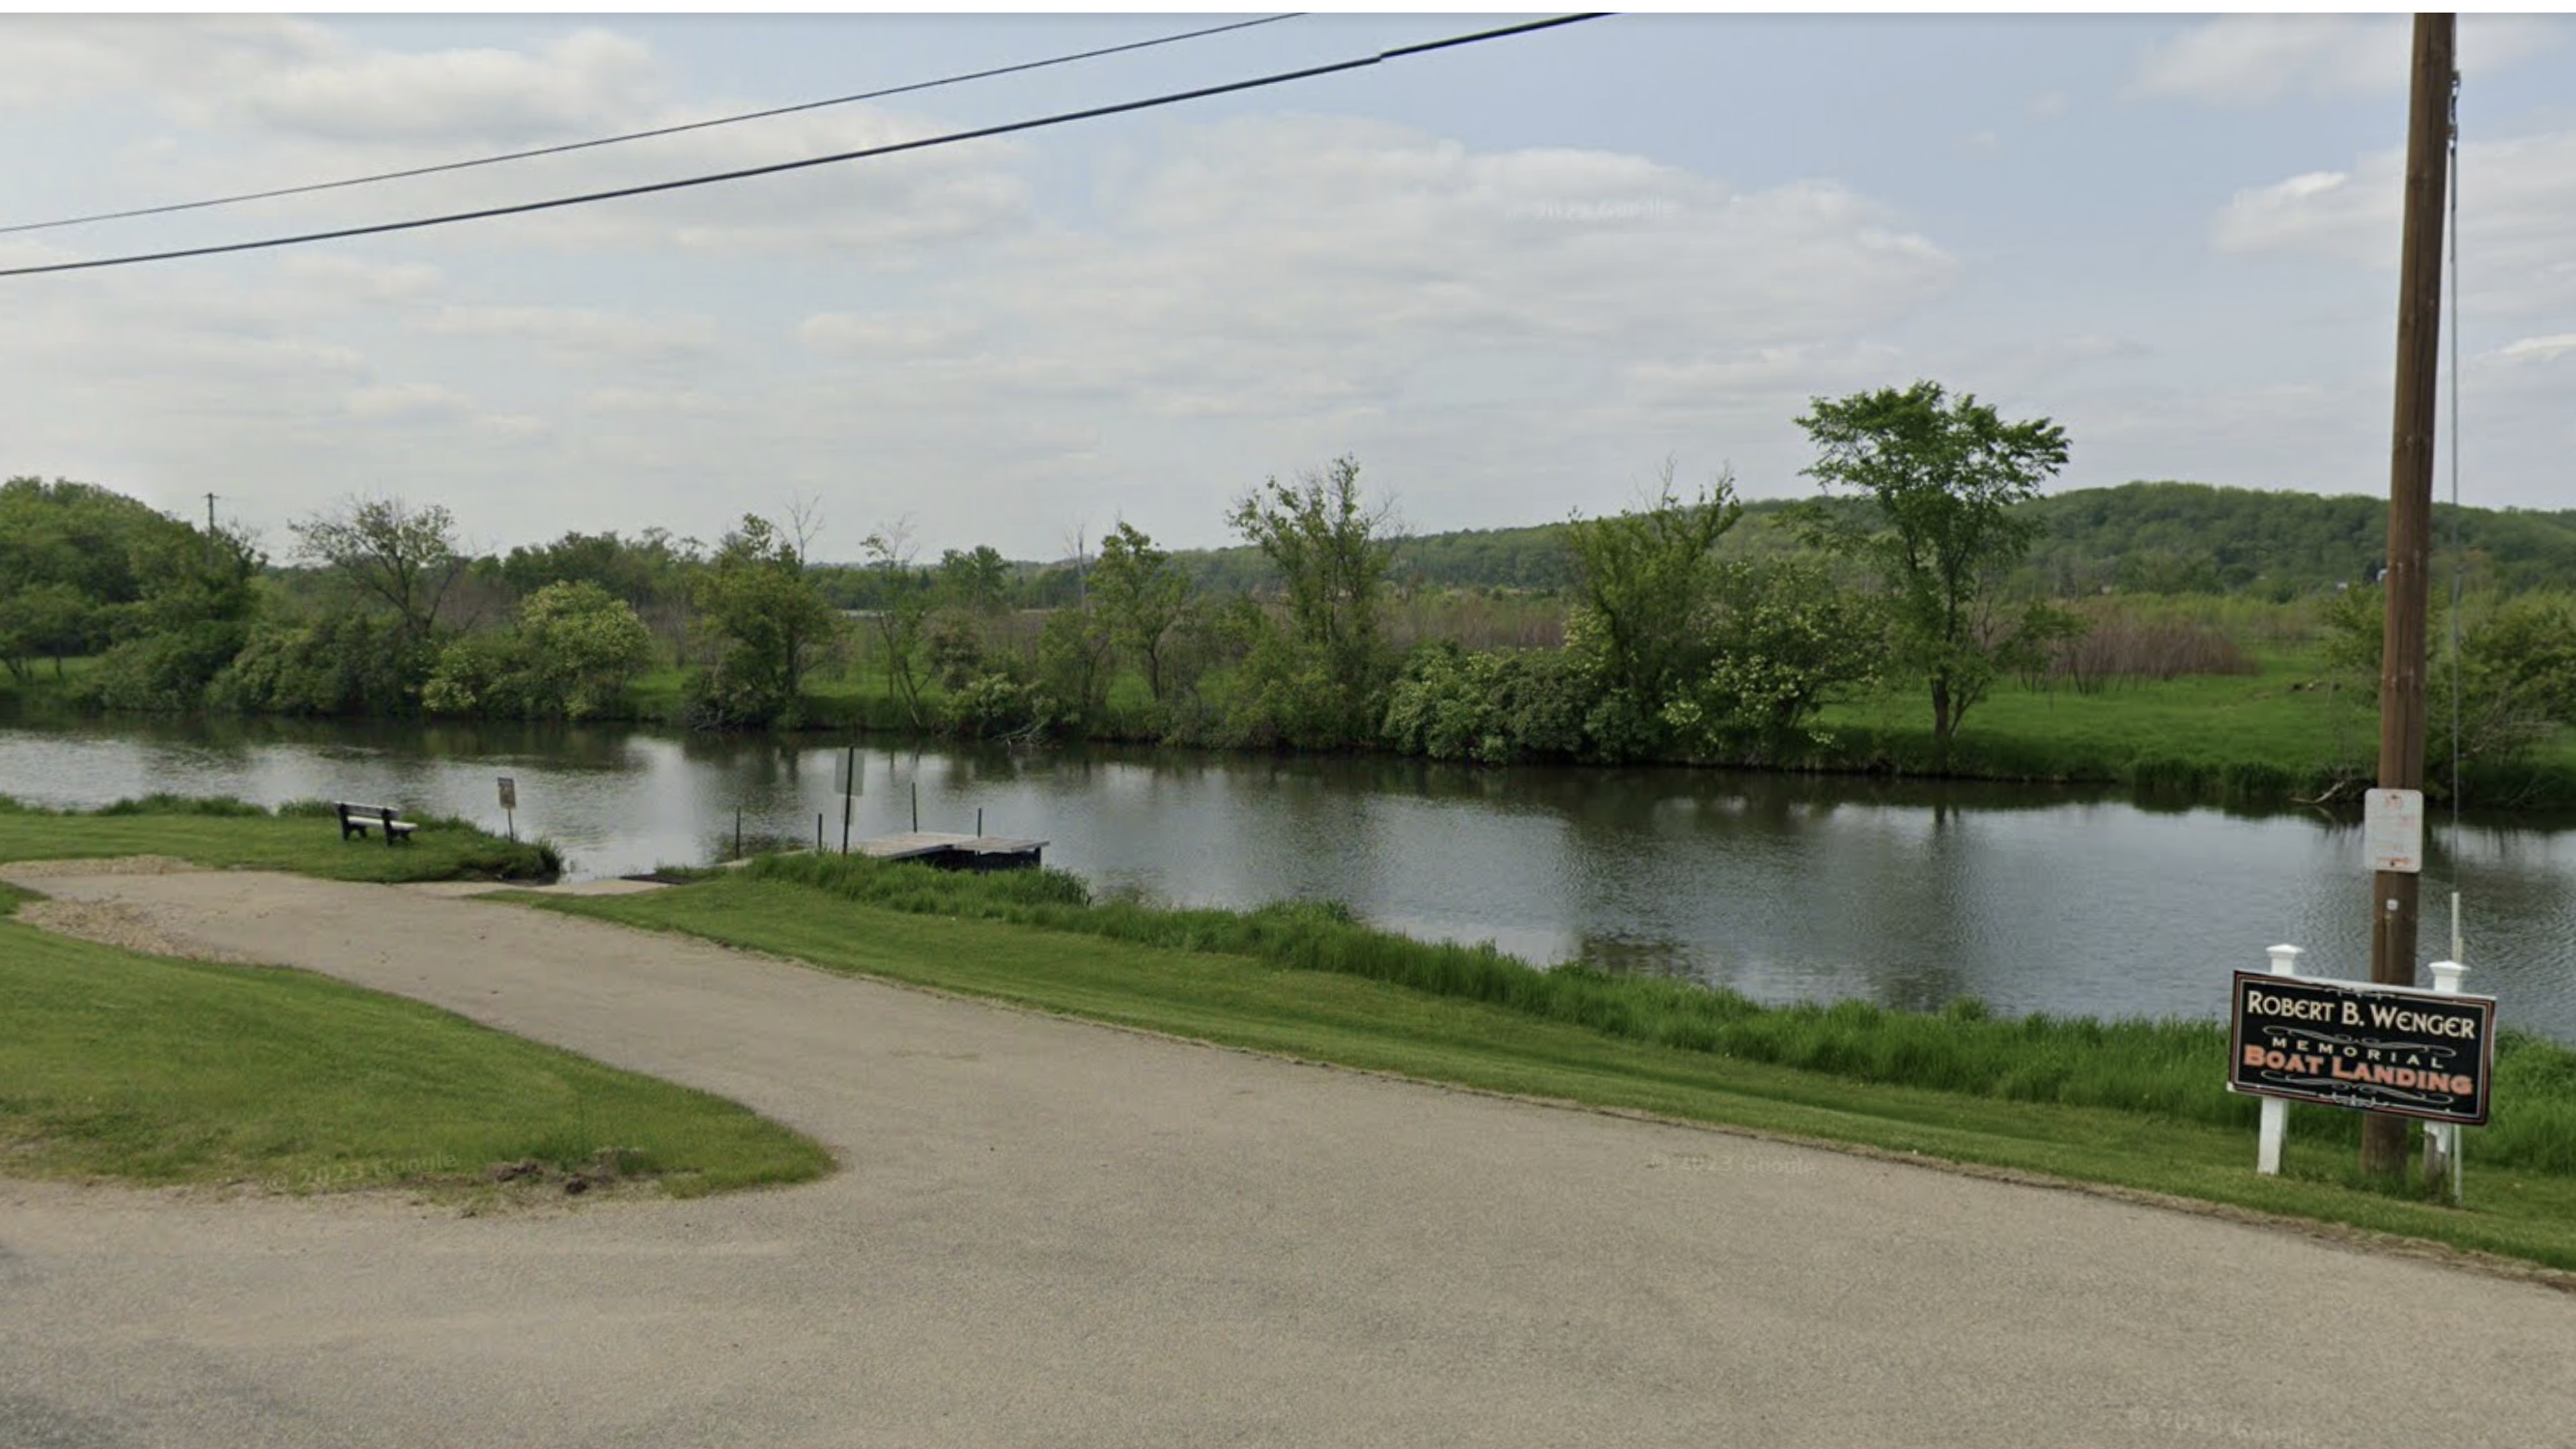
147 1069
2258 738
306 839
1242 1000
161 1071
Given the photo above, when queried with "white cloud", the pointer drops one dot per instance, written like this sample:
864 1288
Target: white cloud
652 402
1306 285
2529 350
578 334
406 402
298 78
566 87
2517 210
2253 59
345 278
264 104
50 60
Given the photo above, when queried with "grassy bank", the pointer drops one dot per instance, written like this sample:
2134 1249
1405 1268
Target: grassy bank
2259 740
153 1070
2134 1106
2263 739
298 837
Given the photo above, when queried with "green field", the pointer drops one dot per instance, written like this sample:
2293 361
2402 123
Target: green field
2263 739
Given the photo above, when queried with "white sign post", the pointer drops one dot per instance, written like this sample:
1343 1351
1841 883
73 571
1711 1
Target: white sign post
2274 1124
2442 1139
510 804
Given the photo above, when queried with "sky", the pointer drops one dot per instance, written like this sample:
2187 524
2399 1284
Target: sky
1512 279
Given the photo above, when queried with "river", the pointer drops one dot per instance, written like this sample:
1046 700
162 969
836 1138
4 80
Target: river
1784 888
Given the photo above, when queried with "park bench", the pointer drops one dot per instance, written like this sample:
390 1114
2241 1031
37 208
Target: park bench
356 820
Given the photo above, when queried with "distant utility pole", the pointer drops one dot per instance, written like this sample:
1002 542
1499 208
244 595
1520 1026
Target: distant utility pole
2410 519
210 532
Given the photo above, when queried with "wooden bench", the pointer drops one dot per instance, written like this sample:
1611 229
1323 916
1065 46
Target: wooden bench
356 820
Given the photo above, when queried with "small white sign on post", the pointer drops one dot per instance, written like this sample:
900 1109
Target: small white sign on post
510 804
2392 830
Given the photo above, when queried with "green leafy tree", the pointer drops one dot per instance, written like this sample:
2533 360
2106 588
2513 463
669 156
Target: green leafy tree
570 654
1142 595
976 580
200 599
73 558
38 620
1324 684
346 662
650 571
1644 582
2513 677
769 619
1327 546
905 596
1944 480
1073 667
390 553
1786 640
1489 706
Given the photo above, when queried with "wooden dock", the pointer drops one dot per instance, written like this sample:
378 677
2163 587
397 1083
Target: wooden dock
957 852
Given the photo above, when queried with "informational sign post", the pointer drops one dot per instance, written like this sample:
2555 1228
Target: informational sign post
2392 830
510 804
2373 1048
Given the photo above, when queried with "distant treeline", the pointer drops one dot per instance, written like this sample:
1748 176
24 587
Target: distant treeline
1685 629
2141 538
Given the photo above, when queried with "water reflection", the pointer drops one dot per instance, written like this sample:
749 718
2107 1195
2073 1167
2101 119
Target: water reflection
1908 893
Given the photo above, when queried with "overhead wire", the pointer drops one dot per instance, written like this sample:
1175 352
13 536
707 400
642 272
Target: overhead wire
1169 98
658 131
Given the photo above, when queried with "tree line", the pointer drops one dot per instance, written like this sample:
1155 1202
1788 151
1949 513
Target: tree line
1694 627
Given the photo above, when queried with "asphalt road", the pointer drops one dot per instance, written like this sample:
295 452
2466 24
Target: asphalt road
1047 1233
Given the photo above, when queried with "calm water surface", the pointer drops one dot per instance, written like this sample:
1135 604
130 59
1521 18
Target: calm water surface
1782 888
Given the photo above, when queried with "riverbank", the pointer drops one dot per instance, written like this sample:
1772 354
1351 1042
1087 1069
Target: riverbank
299 836
1048 1232
2282 735
2133 1107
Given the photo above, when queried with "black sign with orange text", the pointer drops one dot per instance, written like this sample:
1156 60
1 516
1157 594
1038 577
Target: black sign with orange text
2375 1048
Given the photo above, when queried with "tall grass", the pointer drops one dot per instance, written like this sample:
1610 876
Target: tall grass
2169 1070
1477 619
2122 642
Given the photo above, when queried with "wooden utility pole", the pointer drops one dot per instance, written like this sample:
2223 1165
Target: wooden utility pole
2410 524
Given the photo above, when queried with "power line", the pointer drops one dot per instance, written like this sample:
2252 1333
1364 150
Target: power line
980 133
641 135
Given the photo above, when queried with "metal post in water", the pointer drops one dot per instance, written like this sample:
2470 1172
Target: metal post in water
916 807
818 832
979 822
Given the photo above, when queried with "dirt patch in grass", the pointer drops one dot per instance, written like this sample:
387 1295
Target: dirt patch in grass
128 927
119 865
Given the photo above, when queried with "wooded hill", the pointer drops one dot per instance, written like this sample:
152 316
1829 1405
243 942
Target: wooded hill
2136 538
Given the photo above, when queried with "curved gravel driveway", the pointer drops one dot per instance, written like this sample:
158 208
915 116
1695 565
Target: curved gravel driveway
1046 1233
